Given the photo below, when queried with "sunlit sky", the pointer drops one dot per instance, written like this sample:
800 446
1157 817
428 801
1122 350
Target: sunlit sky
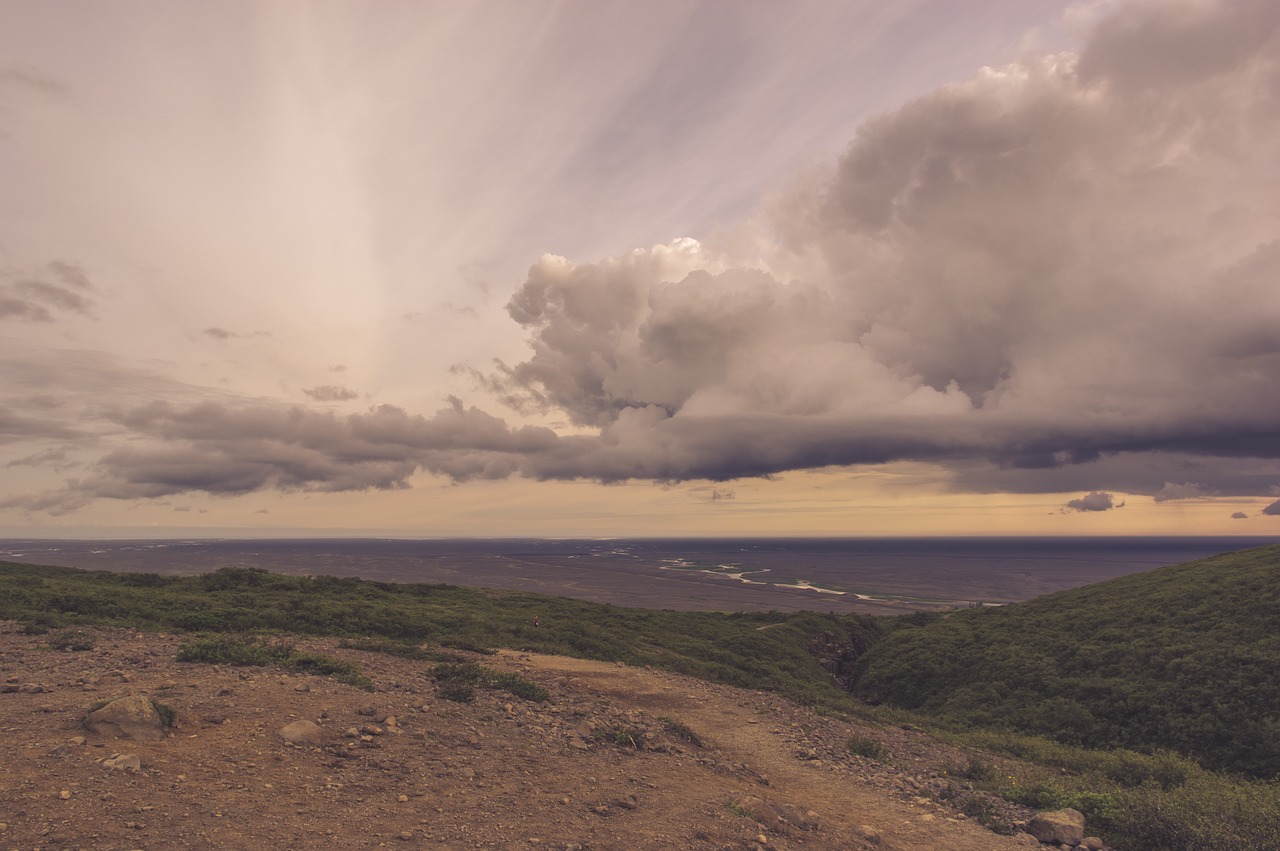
635 268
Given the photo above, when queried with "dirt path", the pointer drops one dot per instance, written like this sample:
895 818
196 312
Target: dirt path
756 737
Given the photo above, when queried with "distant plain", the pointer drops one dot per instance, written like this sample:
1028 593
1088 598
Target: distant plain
868 575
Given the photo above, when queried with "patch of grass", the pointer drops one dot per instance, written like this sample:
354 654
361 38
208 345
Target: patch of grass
73 639
262 653
519 686
458 681
985 812
681 731
623 737
866 746
398 648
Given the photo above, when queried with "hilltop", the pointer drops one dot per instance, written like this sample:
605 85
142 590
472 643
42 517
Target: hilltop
615 757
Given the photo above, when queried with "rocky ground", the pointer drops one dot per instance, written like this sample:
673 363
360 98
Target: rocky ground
598 766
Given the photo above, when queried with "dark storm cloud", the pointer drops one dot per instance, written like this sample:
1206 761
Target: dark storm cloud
1239 515
1056 276
1094 501
1273 509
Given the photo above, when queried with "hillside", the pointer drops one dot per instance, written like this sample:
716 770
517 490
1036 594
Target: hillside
611 757
1185 657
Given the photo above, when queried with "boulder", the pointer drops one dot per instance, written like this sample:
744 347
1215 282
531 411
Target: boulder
1061 827
131 717
304 733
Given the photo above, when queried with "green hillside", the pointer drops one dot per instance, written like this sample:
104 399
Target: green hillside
1184 657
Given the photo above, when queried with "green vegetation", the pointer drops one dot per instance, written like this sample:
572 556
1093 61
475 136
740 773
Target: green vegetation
1185 658
723 647
623 737
458 681
73 639
866 746
258 652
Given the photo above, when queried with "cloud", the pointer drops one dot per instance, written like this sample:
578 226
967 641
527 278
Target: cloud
331 393
222 334
1094 501
1239 515
1272 510
1186 490
1057 275
44 294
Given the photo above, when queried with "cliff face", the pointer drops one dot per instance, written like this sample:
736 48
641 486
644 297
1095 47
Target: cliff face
617 757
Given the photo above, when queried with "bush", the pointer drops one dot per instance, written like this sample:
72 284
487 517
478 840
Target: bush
866 746
73 639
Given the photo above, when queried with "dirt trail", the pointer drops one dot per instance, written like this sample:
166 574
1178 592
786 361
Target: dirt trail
755 737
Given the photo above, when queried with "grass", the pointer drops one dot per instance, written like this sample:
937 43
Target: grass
261 652
457 681
866 746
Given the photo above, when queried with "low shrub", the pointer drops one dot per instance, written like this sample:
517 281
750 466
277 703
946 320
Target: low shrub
73 639
866 746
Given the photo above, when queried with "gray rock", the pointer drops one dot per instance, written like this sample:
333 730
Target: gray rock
1093 843
131 717
124 762
1061 827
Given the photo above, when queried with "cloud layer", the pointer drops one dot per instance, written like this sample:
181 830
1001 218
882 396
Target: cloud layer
1059 270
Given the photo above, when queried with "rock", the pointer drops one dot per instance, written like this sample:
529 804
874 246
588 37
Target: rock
131 717
1026 839
869 833
304 733
129 762
1093 843
1061 827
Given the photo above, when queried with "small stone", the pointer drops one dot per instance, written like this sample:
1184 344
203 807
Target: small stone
404 799
65 795
124 762
77 740
869 833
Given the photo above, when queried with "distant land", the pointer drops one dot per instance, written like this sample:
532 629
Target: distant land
869 575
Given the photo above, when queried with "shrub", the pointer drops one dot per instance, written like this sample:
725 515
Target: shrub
866 746
73 639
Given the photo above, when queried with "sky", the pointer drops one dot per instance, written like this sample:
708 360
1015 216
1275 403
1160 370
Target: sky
632 268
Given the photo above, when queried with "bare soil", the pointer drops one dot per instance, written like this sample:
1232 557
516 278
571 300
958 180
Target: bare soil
598 766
